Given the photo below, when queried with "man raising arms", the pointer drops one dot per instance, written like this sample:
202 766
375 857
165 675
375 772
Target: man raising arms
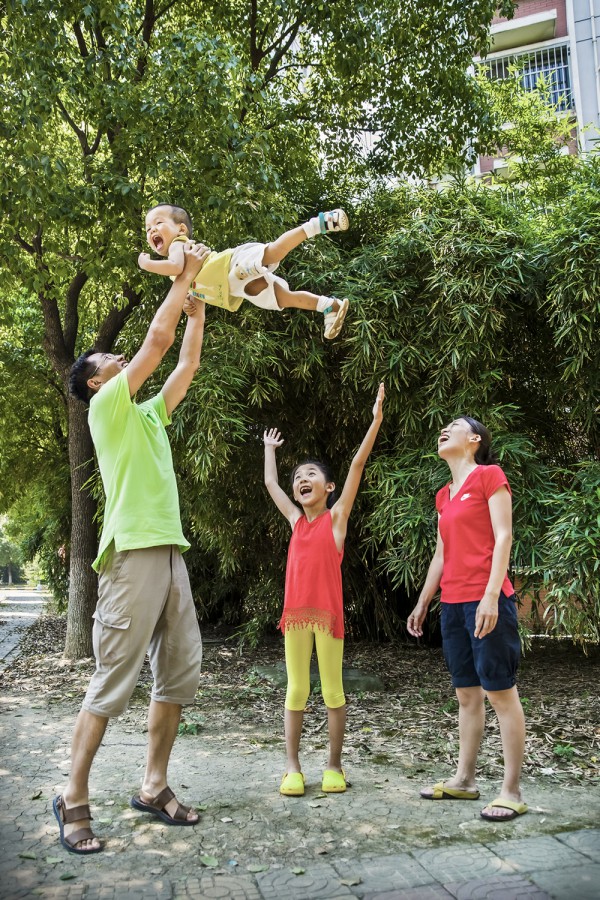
144 598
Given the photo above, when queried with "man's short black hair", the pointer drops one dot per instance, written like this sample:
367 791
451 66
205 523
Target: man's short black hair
81 370
179 215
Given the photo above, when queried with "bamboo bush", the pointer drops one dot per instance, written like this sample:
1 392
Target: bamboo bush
449 308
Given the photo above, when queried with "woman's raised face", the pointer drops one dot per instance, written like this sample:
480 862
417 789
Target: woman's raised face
458 436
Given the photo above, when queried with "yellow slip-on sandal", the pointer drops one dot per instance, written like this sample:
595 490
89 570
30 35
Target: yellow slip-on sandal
292 784
333 782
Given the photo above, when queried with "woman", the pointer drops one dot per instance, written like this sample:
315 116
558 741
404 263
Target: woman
479 618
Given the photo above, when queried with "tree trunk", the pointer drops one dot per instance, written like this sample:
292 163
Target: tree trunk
83 585
9 572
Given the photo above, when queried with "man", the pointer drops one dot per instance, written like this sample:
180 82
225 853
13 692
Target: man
144 598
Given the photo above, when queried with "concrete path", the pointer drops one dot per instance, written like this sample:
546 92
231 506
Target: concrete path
18 610
379 841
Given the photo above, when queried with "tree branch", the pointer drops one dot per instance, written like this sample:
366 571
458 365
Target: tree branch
81 135
83 50
283 49
116 319
71 321
23 243
151 17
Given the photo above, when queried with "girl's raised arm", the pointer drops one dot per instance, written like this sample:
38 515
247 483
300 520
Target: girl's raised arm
272 440
342 508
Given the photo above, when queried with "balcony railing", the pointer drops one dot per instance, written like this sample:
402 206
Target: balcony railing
550 63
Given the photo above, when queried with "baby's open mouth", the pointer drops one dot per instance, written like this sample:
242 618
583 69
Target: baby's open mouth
157 243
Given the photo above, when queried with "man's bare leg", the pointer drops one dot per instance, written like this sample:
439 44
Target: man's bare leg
87 737
163 722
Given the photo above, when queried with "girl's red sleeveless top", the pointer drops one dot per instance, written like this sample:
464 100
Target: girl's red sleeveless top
313 580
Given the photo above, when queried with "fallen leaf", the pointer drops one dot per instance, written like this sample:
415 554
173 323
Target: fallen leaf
209 861
36 796
298 871
52 860
66 876
256 867
350 882
27 855
226 819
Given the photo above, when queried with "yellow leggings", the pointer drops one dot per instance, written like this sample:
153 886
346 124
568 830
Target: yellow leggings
298 651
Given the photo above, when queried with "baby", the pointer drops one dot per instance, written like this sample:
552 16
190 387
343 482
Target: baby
244 272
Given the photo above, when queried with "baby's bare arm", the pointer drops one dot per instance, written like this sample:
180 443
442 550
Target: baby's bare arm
172 265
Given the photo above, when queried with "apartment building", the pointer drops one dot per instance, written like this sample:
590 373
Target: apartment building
559 40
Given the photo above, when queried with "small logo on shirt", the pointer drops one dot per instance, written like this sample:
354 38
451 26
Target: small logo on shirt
465 496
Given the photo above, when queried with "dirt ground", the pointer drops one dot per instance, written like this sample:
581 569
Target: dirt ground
412 724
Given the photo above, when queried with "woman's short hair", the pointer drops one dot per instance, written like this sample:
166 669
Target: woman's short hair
485 456
327 474
81 370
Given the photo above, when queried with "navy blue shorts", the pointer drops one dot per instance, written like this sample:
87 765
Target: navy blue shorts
490 662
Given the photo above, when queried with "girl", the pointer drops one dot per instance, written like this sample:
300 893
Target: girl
479 617
313 608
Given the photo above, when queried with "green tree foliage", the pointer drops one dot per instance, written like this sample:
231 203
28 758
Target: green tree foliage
230 108
448 309
252 114
34 469
573 303
571 553
10 556
534 135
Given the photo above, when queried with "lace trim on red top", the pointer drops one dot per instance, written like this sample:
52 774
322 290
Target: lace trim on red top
322 619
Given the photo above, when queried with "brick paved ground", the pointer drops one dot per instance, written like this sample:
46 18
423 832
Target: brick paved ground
378 841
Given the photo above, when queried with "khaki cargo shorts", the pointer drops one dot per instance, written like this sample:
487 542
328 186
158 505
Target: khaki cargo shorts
145 605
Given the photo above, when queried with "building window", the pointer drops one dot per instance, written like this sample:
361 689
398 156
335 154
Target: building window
551 64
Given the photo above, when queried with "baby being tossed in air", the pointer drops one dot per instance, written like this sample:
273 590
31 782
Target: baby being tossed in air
245 272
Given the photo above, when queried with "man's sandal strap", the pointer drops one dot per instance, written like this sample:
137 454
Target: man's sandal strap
74 813
163 798
82 834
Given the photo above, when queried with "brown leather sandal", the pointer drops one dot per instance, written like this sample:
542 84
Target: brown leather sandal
64 817
157 806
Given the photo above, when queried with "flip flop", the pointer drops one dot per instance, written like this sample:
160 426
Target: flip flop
517 809
440 792
157 806
333 782
64 817
292 784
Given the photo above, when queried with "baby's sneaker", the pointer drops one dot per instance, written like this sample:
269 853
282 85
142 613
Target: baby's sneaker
244 272
335 220
334 319
326 222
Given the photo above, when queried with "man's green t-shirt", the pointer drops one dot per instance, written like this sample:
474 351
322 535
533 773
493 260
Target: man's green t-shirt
134 456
